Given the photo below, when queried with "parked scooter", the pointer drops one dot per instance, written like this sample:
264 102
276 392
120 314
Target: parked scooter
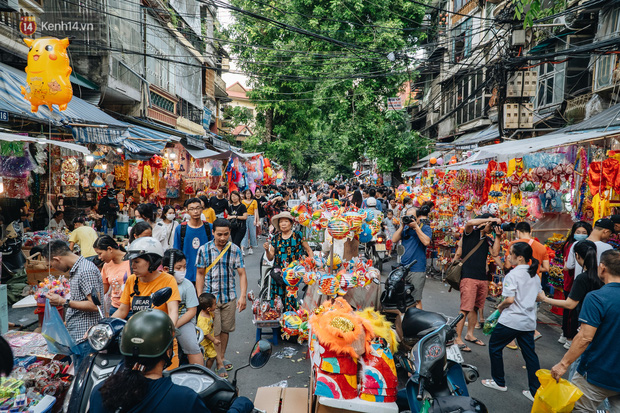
376 250
13 259
104 338
439 377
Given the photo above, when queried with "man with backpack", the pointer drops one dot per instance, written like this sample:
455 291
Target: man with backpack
191 235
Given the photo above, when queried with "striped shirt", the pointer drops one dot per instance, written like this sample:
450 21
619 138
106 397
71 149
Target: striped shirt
220 280
84 276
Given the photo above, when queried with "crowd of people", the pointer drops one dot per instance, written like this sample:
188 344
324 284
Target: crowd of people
198 250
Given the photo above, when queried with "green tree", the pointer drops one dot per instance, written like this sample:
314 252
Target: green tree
321 83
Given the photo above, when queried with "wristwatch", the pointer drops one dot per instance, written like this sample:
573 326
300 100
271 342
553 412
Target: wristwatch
66 304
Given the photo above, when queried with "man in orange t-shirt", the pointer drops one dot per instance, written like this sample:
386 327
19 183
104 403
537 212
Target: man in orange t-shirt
523 232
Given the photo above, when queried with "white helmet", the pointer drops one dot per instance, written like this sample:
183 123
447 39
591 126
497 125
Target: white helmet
371 201
148 248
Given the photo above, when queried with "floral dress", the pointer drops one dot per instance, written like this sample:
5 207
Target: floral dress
286 251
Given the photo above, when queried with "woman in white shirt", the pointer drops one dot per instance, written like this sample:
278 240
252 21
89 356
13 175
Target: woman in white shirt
517 319
57 223
169 214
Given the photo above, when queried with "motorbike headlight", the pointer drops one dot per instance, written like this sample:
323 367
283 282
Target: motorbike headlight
100 336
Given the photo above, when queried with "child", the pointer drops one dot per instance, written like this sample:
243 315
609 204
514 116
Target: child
207 305
390 228
174 263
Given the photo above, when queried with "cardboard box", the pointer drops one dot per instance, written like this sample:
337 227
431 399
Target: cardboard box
279 400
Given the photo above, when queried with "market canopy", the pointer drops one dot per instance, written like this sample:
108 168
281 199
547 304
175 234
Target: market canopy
471 140
202 153
13 137
515 149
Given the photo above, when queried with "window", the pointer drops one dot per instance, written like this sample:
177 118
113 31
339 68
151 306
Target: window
474 108
461 40
161 102
459 4
550 84
606 64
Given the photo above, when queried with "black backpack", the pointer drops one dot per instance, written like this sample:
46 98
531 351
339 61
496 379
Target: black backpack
206 226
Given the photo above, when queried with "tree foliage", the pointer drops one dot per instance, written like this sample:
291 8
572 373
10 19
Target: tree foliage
321 96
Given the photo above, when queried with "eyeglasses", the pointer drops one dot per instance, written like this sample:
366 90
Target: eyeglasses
195 209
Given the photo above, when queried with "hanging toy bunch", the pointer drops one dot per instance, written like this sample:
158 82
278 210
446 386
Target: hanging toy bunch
264 313
295 324
15 166
53 285
70 178
556 260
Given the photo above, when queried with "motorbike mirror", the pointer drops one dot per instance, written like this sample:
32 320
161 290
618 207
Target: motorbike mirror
260 354
94 294
160 296
400 250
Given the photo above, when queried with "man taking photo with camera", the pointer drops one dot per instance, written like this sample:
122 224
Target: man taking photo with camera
415 233
474 286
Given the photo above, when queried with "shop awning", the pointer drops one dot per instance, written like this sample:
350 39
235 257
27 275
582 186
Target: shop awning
79 112
202 153
514 149
13 137
147 141
471 140
609 118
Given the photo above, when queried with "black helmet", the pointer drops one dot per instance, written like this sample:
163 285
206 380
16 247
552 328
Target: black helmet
148 333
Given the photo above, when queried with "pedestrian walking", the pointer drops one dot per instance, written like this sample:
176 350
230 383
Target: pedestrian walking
115 269
603 228
217 262
597 342
189 236
237 215
170 225
207 212
219 203
587 281
140 230
517 319
474 286
207 306
579 232
81 313
252 222
174 263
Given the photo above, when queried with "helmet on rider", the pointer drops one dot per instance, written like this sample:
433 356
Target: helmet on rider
148 333
147 248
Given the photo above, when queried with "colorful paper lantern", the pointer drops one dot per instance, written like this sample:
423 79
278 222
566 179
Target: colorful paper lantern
439 161
338 228
48 73
433 161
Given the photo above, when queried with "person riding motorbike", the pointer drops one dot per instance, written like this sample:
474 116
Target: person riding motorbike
139 385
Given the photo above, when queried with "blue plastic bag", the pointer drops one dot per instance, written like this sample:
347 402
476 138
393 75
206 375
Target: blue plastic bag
59 341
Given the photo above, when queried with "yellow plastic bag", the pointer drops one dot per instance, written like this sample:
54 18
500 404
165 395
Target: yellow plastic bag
553 396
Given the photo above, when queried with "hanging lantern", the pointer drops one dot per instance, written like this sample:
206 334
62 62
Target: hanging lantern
338 228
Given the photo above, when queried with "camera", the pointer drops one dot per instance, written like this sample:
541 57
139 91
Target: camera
408 219
505 226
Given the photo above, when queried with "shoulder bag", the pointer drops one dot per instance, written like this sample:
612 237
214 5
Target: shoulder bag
453 273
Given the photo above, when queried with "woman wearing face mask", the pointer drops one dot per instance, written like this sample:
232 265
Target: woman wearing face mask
170 225
579 232
115 271
174 263
586 256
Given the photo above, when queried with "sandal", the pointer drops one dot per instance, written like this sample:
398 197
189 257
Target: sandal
513 347
222 373
476 341
537 336
228 365
490 383
464 348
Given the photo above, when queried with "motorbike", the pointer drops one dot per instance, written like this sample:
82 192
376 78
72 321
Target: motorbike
438 375
104 338
397 295
376 250
13 259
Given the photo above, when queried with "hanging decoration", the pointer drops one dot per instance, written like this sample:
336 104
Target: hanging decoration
48 73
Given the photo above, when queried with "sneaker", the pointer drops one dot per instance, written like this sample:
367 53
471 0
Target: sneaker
562 339
568 344
250 251
529 396
490 383
243 252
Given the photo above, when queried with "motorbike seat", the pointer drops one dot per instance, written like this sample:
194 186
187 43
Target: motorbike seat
417 323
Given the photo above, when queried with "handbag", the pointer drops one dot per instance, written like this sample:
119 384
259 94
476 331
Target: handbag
453 273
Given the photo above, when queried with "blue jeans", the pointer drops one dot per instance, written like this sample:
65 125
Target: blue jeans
250 233
500 338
